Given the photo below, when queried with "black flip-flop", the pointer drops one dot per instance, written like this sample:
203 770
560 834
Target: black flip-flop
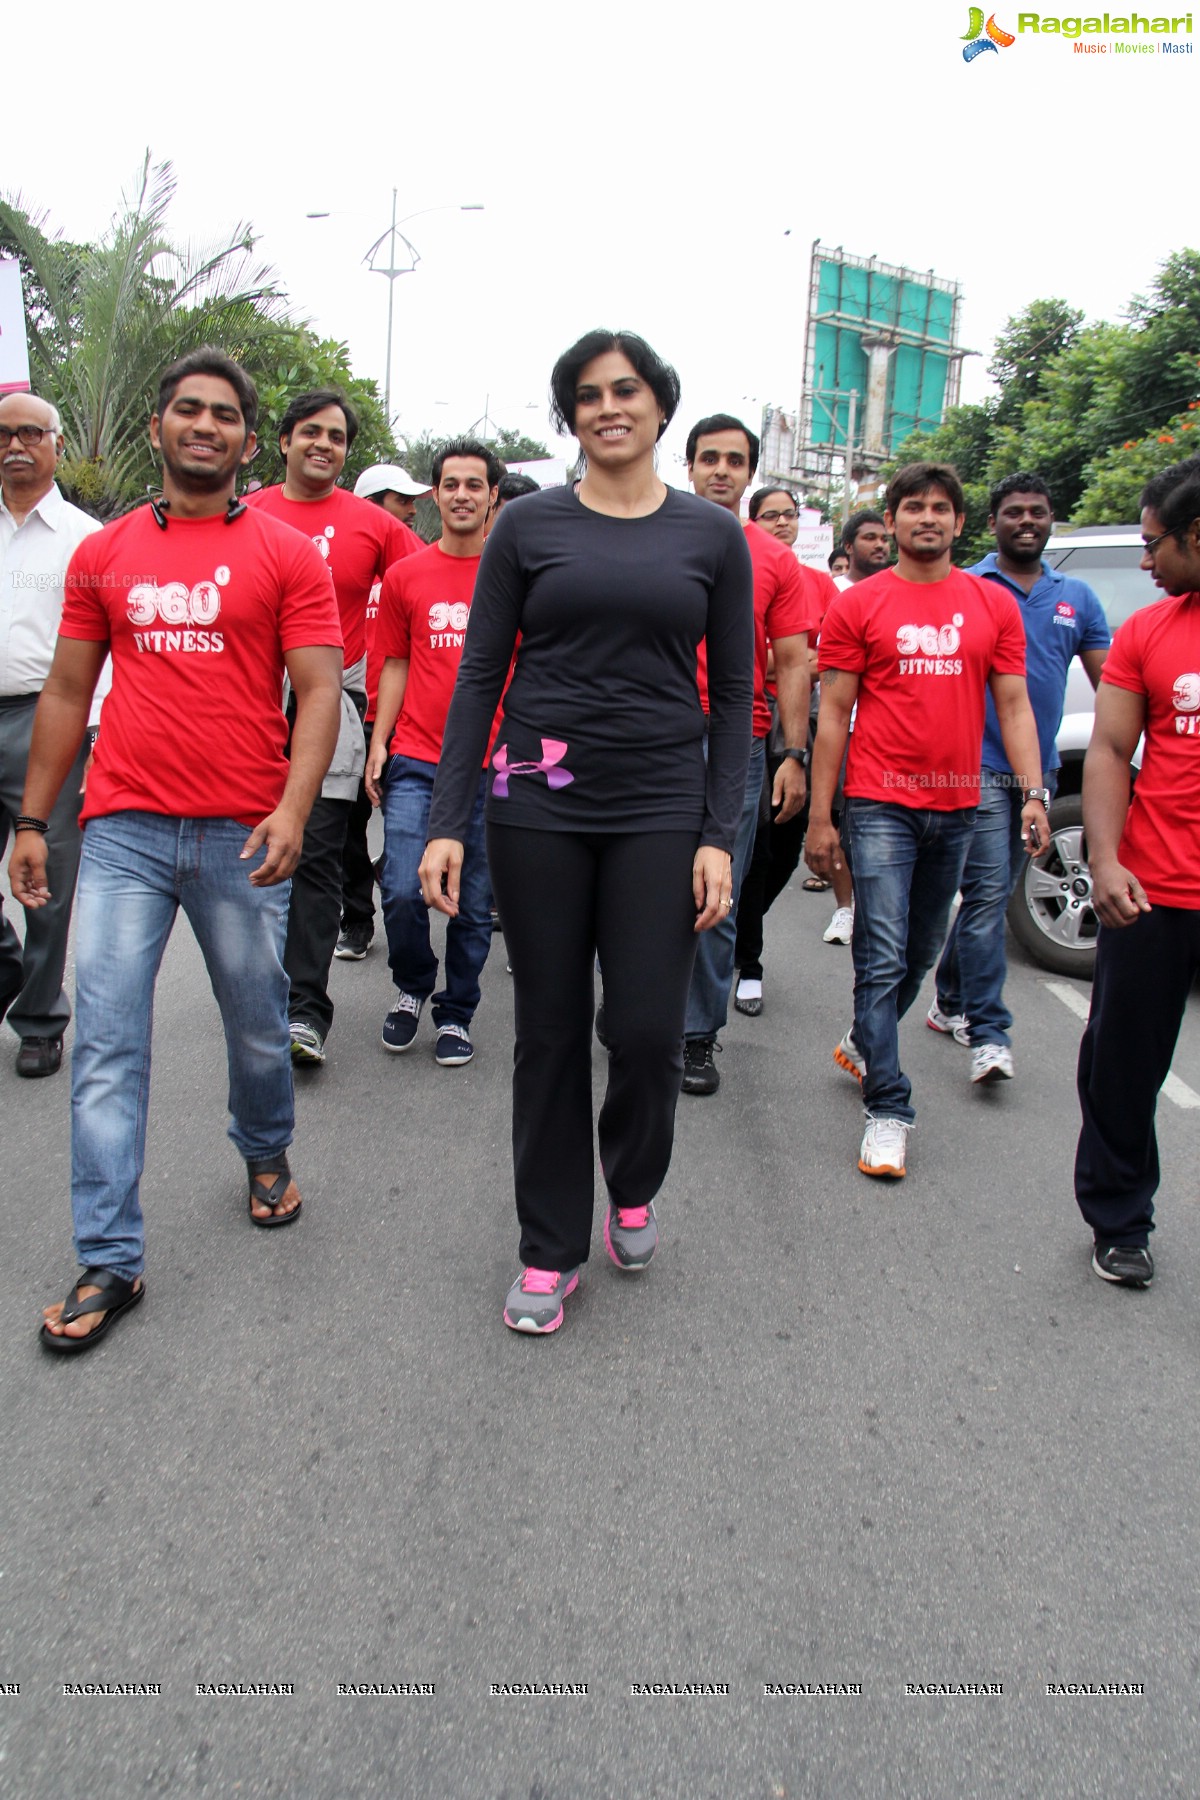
816 884
116 1296
277 1166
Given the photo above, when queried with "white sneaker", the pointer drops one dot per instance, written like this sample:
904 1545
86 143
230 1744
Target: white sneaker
955 1025
883 1147
991 1062
840 929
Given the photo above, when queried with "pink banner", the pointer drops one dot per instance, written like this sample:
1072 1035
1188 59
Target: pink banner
14 353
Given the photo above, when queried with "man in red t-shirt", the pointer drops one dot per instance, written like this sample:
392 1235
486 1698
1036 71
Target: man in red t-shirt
359 542
916 647
191 802
423 611
722 455
1145 865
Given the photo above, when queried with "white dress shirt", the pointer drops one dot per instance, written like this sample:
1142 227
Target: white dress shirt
33 567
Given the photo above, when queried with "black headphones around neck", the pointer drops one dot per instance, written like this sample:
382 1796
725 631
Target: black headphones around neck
160 506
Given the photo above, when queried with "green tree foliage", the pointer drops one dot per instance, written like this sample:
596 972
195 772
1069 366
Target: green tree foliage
104 320
1115 480
514 446
1093 409
107 318
1023 349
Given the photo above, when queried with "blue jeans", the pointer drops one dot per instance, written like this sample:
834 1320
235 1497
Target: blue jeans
712 976
970 977
136 871
906 866
407 792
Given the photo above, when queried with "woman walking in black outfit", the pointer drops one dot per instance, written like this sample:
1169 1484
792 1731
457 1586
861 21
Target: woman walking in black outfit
607 829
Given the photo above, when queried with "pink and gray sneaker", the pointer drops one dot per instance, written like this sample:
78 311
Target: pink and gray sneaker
630 1235
535 1299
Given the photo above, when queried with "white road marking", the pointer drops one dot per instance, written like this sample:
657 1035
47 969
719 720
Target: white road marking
1174 1089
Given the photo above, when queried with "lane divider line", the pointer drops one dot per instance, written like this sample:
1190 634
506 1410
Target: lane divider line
1175 1090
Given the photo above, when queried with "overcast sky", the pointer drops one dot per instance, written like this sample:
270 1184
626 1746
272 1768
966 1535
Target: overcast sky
657 165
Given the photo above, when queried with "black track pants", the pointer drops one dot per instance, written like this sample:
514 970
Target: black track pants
564 897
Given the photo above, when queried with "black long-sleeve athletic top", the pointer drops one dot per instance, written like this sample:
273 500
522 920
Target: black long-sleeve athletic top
602 726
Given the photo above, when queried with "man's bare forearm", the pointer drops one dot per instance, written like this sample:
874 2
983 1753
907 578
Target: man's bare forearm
1106 790
389 698
59 724
793 691
838 694
1018 733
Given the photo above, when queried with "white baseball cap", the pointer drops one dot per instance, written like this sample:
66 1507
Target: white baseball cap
388 478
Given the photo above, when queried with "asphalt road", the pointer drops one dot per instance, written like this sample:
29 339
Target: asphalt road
842 1432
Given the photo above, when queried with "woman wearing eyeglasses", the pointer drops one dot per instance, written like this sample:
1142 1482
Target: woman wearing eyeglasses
778 512
607 831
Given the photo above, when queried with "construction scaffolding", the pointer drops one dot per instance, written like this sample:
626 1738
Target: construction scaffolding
881 360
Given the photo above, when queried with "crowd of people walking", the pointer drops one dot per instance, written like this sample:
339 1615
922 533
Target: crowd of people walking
608 717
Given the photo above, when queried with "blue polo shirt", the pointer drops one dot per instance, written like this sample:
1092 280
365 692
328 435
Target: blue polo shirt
1062 616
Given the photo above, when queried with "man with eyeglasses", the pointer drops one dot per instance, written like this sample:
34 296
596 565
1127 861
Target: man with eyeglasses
39 531
1145 866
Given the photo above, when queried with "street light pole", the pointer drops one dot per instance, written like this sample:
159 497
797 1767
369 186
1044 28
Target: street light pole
393 274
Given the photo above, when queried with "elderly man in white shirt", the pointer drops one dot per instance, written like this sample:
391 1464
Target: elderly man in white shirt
39 531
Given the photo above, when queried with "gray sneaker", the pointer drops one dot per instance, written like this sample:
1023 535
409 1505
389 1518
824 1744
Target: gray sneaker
848 1056
308 1046
630 1235
535 1299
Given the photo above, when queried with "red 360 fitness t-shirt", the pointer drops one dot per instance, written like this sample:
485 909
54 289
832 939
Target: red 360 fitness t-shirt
197 617
787 600
1156 653
923 652
358 541
423 612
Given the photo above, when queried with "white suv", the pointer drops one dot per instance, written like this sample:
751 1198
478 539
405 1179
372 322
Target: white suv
1051 912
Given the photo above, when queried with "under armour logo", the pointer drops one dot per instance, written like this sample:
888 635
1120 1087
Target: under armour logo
553 752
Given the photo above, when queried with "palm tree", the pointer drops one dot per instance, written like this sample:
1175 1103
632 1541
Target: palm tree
104 320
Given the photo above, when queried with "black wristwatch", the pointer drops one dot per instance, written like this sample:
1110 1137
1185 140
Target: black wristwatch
800 756
1042 794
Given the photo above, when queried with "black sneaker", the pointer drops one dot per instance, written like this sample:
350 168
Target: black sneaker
400 1026
354 943
1129 1264
454 1046
699 1070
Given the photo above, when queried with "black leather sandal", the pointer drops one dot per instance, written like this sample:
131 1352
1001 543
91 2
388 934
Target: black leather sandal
116 1296
274 1194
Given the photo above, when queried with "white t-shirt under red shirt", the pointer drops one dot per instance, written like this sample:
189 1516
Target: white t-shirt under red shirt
923 652
198 618
358 541
424 607
788 599
1156 653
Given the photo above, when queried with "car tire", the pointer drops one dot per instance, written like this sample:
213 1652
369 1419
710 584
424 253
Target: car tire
1051 914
